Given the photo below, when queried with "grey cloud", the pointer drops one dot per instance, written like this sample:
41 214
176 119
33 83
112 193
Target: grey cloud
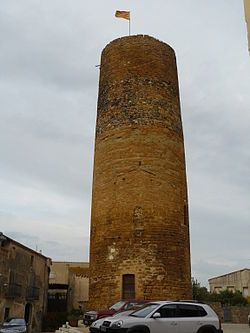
44 46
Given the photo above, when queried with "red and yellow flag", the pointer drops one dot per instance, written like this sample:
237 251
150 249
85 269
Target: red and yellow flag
123 14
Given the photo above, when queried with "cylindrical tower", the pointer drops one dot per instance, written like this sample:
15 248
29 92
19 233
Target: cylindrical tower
139 244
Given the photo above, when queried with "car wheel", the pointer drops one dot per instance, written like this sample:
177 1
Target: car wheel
207 330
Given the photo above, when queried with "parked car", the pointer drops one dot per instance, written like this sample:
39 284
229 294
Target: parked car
14 325
166 317
248 319
95 326
91 316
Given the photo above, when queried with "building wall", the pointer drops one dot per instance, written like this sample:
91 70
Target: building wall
238 280
139 222
247 14
23 282
74 279
59 272
79 287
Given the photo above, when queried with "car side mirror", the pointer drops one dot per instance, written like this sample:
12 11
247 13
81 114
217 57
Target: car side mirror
156 315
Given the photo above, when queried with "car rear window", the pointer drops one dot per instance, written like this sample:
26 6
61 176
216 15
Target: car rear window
190 310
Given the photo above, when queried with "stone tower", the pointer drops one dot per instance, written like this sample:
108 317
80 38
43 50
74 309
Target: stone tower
139 224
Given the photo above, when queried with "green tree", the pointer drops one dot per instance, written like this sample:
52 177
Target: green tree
199 293
228 297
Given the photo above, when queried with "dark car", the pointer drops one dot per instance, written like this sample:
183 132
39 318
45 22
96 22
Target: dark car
91 316
13 325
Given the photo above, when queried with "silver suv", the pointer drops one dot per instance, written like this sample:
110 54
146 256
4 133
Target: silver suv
166 317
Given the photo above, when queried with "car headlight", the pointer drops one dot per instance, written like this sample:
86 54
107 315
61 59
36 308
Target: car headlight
92 315
117 324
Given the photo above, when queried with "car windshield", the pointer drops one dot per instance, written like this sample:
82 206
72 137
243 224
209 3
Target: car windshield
15 321
147 309
117 306
123 313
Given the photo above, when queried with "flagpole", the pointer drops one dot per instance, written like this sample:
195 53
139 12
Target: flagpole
125 15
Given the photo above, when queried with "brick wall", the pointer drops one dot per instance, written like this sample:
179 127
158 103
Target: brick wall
139 222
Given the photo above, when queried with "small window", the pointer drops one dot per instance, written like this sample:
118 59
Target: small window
128 286
217 290
52 275
245 292
6 313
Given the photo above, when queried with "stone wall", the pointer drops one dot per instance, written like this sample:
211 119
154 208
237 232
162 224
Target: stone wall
232 314
24 279
139 221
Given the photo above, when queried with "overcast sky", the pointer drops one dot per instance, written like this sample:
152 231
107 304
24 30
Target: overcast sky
48 92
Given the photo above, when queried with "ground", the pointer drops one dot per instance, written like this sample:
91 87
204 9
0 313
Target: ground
227 328
235 328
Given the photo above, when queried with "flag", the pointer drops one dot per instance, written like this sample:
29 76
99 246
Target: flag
122 14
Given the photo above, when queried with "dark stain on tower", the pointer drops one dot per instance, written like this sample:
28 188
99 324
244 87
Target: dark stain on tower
139 225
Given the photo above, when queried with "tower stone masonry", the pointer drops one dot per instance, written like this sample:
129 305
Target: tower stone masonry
139 245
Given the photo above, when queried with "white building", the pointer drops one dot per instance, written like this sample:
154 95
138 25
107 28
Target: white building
238 280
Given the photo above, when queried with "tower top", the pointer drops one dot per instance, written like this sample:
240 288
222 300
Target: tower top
135 38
